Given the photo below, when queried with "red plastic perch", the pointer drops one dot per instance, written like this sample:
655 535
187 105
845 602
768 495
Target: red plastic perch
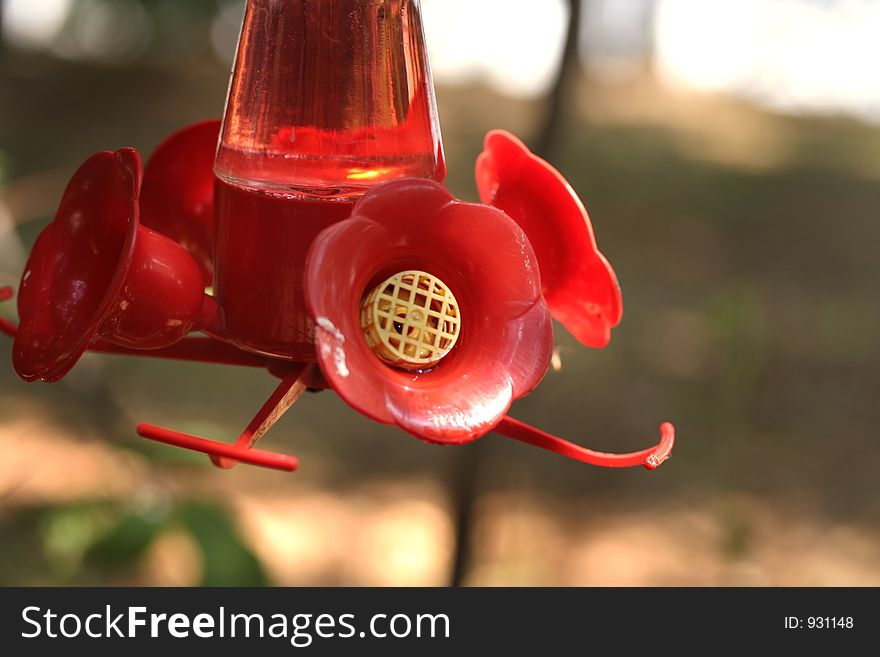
649 458
217 449
226 456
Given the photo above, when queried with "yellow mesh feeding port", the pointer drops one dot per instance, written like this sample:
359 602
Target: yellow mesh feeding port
411 321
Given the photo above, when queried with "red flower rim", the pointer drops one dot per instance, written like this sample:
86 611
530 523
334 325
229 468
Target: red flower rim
506 337
579 283
78 265
178 191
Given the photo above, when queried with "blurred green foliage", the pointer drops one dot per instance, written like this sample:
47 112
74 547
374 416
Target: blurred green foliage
104 542
226 560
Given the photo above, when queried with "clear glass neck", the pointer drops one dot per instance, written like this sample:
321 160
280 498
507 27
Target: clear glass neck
329 97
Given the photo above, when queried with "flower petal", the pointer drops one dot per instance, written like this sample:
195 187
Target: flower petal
455 410
78 266
579 283
178 194
337 271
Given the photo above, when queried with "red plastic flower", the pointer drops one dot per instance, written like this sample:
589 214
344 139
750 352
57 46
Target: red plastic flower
505 340
69 286
80 279
96 273
579 284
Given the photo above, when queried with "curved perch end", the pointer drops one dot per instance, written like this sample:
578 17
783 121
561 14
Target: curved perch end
650 458
663 450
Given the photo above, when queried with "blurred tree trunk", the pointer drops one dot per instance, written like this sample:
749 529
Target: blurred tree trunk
465 491
2 40
469 467
564 86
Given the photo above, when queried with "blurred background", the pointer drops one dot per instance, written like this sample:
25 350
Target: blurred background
729 153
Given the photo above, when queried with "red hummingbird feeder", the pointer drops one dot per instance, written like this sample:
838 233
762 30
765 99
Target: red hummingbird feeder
310 234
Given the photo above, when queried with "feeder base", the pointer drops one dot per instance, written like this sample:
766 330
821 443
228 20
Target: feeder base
262 242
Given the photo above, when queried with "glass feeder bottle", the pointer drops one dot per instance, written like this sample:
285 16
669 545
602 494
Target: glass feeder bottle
327 98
